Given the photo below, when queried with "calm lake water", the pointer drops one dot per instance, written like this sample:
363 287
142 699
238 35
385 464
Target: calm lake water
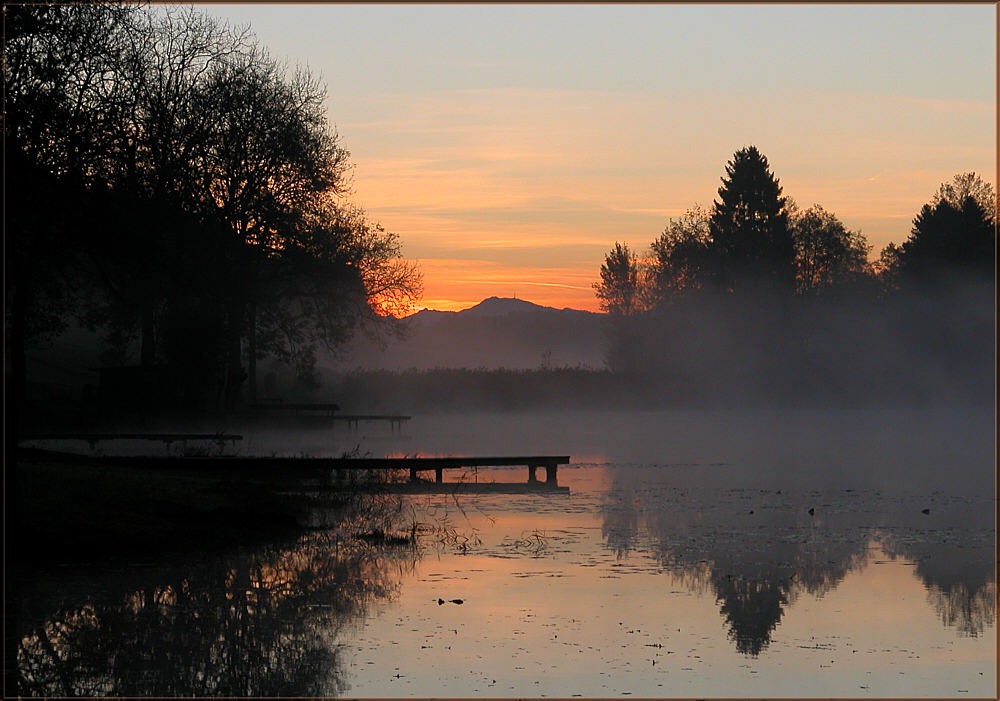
684 561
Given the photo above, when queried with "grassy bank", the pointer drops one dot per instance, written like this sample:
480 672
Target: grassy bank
76 508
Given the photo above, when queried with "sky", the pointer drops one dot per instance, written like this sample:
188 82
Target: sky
510 146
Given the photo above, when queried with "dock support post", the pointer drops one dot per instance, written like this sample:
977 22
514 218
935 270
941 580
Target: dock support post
532 478
413 474
550 474
438 475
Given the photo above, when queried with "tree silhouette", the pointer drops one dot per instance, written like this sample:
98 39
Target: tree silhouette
339 273
751 240
886 269
964 185
270 153
953 239
680 257
827 254
189 166
619 288
56 62
161 140
949 240
621 293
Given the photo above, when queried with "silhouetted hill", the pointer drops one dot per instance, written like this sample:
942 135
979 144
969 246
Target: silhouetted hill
502 306
497 332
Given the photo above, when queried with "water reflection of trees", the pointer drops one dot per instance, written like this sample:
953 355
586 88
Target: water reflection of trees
752 608
967 610
259 622
955 563
757 551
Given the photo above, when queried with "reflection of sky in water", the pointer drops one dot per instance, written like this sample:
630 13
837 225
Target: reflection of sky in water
684 562
632 585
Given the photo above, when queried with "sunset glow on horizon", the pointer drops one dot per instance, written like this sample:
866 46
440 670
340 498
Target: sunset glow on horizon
510 146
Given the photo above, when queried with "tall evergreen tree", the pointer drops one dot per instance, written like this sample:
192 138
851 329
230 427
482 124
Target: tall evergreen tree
751 239
953 238
949 240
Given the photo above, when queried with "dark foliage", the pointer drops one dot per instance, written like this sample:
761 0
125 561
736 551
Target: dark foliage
619 289
949 241
751 242
761 302
173 186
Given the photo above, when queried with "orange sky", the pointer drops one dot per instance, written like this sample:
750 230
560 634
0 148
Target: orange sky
510 146
521 192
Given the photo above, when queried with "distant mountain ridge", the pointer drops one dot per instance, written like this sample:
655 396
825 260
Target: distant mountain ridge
500 306
497 332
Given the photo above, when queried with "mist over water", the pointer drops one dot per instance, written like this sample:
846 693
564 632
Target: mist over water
911 449
711 553
701 552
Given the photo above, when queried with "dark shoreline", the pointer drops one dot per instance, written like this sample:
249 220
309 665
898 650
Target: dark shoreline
72 508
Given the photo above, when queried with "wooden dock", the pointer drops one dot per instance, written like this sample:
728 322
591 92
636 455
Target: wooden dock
294 408
326 411
323 467
459 488
168 438
395 420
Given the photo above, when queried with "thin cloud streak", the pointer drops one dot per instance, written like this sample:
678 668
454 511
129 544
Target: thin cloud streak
586 142
525 282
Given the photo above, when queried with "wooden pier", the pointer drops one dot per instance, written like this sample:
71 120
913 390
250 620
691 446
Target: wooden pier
439 465
395 420
167 438
323 411
325 467
458 488
326 409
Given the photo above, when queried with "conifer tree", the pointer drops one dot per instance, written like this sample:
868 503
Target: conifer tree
949 240
751 240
